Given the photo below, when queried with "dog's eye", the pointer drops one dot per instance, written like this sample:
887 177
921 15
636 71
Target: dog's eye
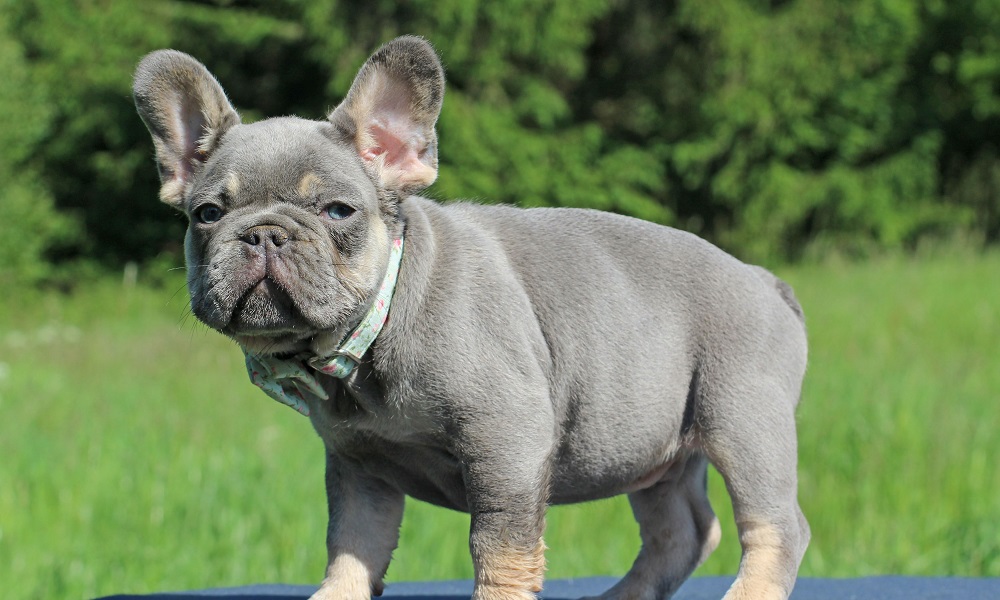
208 213
338 211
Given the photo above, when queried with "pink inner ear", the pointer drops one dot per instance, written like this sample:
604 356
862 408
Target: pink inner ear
401 157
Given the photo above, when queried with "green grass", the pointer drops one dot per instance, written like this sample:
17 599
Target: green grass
135 456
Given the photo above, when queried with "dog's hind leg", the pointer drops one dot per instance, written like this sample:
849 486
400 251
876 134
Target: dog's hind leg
678 531
756 455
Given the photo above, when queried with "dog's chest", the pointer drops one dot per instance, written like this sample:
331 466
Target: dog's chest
393 442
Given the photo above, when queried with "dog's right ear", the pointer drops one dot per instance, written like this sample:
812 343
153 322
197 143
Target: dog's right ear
186 112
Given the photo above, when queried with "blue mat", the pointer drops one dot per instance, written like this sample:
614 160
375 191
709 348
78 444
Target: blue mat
701 588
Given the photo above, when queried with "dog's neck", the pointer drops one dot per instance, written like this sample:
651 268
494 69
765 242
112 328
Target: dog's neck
353 347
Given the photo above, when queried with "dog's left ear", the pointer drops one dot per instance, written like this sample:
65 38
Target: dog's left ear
390 111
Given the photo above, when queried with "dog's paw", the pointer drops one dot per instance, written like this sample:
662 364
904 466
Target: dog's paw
341 590
501 592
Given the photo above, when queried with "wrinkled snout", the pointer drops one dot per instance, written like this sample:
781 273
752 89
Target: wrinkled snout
269 278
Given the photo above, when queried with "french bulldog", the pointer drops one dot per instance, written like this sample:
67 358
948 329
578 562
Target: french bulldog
522 358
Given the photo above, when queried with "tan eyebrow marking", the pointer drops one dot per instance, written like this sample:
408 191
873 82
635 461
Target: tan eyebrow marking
232 184
308 184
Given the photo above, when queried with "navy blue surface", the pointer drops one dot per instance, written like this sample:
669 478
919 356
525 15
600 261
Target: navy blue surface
700 588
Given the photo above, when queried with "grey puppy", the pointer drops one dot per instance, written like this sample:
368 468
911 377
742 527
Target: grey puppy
530 356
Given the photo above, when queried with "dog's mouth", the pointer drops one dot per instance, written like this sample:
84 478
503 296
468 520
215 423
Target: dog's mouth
265 316
264 306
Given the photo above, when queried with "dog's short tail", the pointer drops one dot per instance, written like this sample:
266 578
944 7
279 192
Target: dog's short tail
788 296
785 291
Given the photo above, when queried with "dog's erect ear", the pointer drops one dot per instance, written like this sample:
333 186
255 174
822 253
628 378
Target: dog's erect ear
390 111
186 112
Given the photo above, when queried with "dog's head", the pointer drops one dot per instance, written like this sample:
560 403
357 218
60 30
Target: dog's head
290 220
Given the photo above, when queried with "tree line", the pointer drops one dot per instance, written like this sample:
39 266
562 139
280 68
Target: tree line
779 129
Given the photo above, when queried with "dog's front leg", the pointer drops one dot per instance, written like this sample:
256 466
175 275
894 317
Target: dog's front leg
507 499
365 514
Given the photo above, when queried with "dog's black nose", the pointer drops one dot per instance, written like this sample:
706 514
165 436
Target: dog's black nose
260 234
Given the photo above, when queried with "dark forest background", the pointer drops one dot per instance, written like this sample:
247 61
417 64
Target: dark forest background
780 130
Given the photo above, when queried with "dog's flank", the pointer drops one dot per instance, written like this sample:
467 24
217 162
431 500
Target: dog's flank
530 356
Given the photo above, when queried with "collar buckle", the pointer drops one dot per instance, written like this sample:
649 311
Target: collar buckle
340 364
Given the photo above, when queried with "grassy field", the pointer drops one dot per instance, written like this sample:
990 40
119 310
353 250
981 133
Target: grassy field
135 456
